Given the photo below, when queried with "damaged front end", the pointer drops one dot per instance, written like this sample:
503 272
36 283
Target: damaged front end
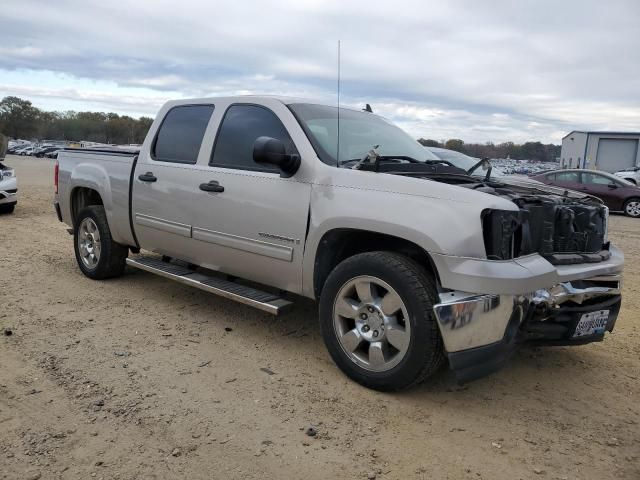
569 313
563 229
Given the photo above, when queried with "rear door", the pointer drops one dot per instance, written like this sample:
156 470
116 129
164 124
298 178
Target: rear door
166 180
255 225
602 187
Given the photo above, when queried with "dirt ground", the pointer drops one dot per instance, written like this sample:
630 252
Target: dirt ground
142 378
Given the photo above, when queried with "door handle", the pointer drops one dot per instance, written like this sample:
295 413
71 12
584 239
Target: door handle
212 186
147 177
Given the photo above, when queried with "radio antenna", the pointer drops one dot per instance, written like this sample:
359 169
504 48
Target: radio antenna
338 136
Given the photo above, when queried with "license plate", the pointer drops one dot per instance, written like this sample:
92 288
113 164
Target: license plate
592 323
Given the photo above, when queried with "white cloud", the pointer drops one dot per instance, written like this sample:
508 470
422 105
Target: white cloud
474 70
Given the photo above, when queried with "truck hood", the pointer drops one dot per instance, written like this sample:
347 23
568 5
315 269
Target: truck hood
519 216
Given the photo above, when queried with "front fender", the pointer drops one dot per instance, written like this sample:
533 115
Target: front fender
436 225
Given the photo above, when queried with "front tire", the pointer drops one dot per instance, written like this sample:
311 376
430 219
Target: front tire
377 321
98 256
7 208
632 207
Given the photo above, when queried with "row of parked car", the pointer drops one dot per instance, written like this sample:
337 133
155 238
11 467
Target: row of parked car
619 191
49 151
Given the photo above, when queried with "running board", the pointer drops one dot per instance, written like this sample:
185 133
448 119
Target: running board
259 299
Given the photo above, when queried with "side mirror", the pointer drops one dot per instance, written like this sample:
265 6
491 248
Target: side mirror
612 185
272 151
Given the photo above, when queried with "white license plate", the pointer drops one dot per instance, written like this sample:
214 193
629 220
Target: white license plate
592 323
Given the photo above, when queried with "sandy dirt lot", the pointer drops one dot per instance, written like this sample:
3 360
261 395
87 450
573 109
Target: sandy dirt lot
141 378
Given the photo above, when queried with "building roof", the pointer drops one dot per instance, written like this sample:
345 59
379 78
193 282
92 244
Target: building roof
597 132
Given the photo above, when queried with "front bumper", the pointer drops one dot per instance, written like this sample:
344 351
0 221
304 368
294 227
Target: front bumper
8 190
8 197
481 331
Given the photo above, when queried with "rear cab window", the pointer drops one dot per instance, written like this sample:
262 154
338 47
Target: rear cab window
241 126
180 135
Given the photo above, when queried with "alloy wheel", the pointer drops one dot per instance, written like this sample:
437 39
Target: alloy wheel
371 323
89 244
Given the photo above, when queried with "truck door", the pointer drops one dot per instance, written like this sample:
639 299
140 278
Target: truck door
251 222
164 180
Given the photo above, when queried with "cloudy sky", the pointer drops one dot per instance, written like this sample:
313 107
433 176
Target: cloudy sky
481 71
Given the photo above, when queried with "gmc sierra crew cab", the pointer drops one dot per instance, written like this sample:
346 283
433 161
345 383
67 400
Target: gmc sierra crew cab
413 260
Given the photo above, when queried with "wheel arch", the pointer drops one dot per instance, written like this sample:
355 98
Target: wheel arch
339 244
82 197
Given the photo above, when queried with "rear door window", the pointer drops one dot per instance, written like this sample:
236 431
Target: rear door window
595 179
241 126
180 135
565 177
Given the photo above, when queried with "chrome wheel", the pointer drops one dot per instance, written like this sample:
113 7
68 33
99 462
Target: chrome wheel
632 208
371 323
89 243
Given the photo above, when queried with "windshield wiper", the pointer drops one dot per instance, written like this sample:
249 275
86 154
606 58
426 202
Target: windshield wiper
484 162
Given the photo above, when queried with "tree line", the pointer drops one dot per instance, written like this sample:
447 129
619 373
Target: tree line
527 151
19 118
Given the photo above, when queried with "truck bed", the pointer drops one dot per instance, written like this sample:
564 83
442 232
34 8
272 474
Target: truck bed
109 172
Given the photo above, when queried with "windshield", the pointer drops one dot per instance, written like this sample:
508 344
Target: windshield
460 160
359 133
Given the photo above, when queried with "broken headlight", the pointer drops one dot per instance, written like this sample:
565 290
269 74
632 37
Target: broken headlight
502 233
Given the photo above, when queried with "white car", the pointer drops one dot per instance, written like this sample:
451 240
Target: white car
27 151
630 174
8 189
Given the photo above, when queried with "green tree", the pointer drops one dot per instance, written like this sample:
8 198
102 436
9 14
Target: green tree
426 142
18 117
454 144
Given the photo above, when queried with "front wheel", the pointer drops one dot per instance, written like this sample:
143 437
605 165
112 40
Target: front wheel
632 207
98 256
7 208
377 320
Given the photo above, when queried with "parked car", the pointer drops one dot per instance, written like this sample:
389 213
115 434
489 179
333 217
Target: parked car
27 151
42 151
630 175
8 182
8 189
14 149
459 159
18 150
617 194
411 259
53 153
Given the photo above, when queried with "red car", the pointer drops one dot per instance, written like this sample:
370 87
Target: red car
617 194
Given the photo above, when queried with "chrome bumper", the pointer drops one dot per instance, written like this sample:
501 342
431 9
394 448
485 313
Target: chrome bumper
468 320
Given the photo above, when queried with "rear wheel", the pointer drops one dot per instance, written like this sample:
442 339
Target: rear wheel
632 207
376 317
98 256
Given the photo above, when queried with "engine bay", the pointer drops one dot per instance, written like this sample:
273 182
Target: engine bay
563 228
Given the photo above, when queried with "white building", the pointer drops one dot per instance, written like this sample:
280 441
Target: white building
608 151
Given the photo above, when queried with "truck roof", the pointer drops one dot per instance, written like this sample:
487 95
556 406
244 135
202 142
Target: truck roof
244 98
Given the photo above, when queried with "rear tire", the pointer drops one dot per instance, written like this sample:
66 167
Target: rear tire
7 208
632 207
98 256
377 321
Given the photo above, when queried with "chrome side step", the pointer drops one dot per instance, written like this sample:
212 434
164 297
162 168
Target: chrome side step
264 301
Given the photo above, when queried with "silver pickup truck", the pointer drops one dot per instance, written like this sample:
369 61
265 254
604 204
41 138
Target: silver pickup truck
413 260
